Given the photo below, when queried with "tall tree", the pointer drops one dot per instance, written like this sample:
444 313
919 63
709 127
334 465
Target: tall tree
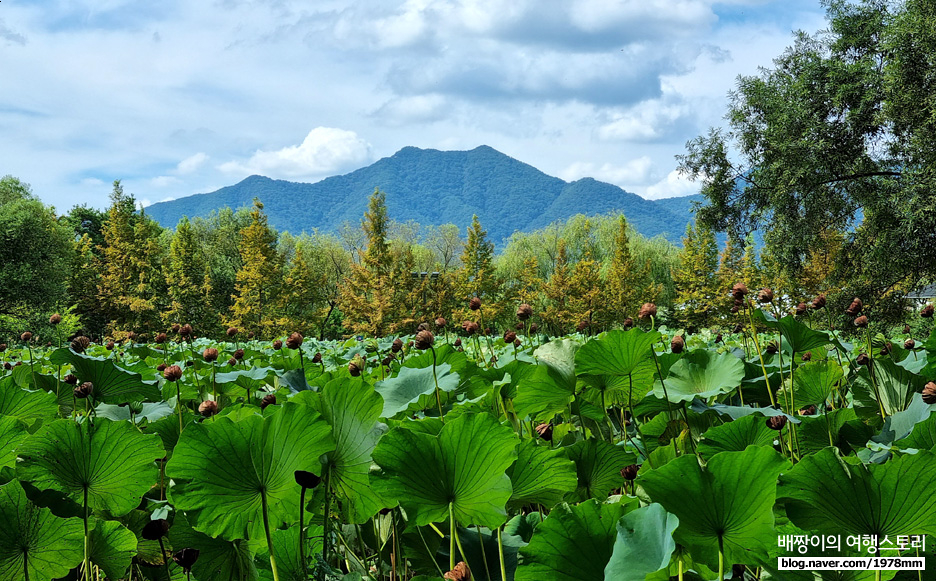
695 279
556 291
189 283
259 280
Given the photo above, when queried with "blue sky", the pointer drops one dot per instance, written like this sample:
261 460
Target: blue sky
175 98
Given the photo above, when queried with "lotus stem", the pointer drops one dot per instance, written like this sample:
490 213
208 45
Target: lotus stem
457 540
487 569
269 538
500 555
302 558
877 392
721 558
679 562
87 539
162 551
451 537
436 380
760 355
325 516
179 404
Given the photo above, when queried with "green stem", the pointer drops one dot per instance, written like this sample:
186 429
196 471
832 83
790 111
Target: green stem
760 356
877 392
87 539
269 538
325 516
162 551
302 559
179 404
487 569
436 380
721 558
500 555
451 538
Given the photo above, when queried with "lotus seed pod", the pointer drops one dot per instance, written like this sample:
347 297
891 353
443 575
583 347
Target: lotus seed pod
863 359
457 342
306 479
422 327
186 330
424 340
735 309
854 308
387 360
440 322
909 344
677 344
534 327
232 362
772 348
55 319
647 310
277 345
161 367
582 326
628 323
7 366
929 393
738 328
155 529
208 408
173 373
176 328
294 341
765 295
545 431
524 312
26 337
887 348
353 369
186 559
470 327
718 338
232 331
776 422
459 573
268 399
84 390
861 322
927 312
801 309
738 291
110 346
3 347
317 358
474 304
70 379
516 342
809 410
906 329
210 354
239 354
509 337
518 327
630 471
397 345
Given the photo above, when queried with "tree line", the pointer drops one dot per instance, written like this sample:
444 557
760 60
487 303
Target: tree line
117 274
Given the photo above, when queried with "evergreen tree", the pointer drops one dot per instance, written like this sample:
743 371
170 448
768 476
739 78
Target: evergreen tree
628 284
584 299
259 280
557 315
189 283
695 279
477 276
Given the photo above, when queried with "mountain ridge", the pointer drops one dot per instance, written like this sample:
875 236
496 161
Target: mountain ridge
435 187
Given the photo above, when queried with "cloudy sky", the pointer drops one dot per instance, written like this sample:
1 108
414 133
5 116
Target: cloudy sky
180 97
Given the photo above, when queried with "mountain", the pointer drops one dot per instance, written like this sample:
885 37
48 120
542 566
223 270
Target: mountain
437 187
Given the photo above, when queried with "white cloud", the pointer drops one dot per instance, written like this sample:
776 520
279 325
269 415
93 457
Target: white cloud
324 151
93 183
647 121
633 173
192 163
409 110
165 181
143 203
675 184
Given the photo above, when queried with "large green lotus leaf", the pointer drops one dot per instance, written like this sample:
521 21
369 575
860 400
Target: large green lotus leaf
902 424
222 469
540 475
736 436
644 544
238 383
813 382
923 436
735 412
823 430
617 353
598 467
482 555
288 560
168 428
797 337
150 412
464 465
572 544
827 494
50 546
112 461
559 356
542 394
26 405
218 560
895 385
412 383
701 373
12 434
352 407
730 499
112 547
112 384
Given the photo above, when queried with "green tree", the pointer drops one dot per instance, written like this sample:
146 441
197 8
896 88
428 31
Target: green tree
478 276
557 314
695 278
259 280
189 283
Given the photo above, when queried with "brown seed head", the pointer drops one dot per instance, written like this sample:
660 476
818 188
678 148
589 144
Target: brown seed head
854 308
160 338
268 399
70 379
545 431
470 327
863 359
524 312
208 408
422 327
677 344
232 362
801 309
628 323
510 337
155 529
7 366
26 337
772 348
534 327
929 393
55 319
173 373
809 410
185 559
718 338
647 310
110 346
277 345
457 342
887 348
176 328
232 331
582 326
210 354
186 330
84 390
459 573
79 344
317 358
861 322
474 304
927 312
161 367
440 322
764 296
306 479
397 345
424 340
294 341
239 354
516 342
776 422
807 356
630 471
909 344
739 290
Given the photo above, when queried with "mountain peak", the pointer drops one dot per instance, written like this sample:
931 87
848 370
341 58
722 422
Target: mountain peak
433 187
